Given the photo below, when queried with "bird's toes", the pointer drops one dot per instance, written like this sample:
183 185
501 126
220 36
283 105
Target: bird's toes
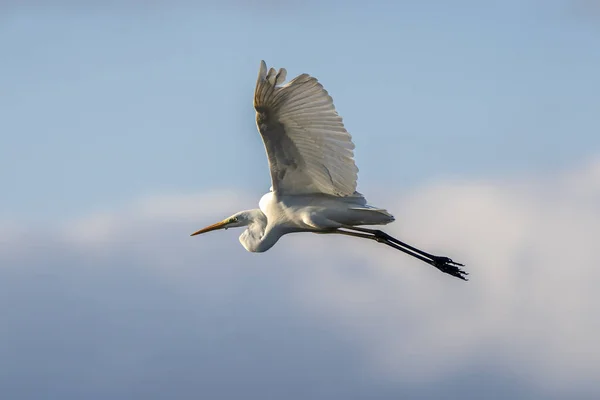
450 267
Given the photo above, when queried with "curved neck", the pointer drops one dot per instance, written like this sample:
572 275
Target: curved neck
258 237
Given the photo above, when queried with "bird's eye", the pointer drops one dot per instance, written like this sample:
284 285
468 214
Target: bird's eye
234 219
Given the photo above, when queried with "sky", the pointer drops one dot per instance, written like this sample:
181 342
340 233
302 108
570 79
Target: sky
125 126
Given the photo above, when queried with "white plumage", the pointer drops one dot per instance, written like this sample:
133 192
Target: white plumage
308 148
313 173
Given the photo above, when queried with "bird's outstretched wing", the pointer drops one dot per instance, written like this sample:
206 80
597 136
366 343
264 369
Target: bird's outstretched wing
308 148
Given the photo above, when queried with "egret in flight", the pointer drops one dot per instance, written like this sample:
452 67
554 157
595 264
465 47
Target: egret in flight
313 173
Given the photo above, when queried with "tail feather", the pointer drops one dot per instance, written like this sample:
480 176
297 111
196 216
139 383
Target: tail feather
373 215
371 208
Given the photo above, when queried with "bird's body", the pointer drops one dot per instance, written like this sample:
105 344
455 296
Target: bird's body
279 215
313 173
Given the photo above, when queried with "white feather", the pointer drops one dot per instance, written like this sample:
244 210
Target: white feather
308 148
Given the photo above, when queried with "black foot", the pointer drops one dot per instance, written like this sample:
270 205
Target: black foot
448 266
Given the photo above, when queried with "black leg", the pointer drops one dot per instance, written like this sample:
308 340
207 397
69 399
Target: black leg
444 264
380 240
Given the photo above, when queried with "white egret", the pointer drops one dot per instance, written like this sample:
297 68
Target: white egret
313 172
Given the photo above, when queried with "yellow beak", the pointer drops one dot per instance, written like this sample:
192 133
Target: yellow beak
213 227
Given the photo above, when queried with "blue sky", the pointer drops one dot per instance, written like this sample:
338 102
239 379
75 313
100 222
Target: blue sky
105 104
126 127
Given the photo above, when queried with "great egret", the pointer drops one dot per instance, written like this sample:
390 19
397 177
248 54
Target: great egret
313 172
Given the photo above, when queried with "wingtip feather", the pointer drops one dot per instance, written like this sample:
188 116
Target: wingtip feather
262 71
271 75
280 78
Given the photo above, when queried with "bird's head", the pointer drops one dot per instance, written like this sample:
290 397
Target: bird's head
237 220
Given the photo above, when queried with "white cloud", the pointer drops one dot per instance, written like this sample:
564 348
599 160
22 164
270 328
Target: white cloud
531 307
531 304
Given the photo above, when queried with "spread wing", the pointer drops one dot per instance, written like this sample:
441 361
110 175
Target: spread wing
308 148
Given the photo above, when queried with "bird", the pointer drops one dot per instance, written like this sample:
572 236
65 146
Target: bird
313 173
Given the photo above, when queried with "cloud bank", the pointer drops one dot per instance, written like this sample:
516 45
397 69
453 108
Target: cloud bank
124 304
